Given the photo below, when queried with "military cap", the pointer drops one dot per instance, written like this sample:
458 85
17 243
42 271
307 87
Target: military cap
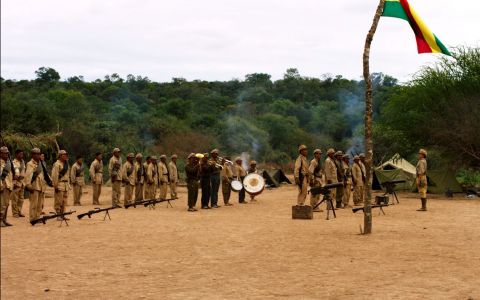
338 153
317 151
238 158
131 155
302 147
423 151
61 152
346 156
191 155
36 151
4 150
215 151
116 150
139 155
330 151
153 157
205 154
356 157
253 162
361 155
163 156
173 156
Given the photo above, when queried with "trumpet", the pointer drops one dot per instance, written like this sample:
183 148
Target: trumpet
226 160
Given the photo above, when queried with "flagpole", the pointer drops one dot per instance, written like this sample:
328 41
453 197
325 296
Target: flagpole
367 219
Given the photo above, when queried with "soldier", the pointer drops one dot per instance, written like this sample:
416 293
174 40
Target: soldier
164 175
227 176
18 185
347 183
301 174
422 178
140 177
340 177
6 184
61 182
78 180
364 172
96 175
252 169
152 178
357 180
48 181
240 173
35 183
215 177
192 170
206 170
114 169
174 177
316 177
331 172
128 177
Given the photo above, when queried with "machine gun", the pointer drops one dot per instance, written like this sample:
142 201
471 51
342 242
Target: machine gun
325 191
354 210
390 188
53 216
151 203
135 203
98 210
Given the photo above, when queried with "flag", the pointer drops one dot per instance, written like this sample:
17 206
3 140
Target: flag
427 42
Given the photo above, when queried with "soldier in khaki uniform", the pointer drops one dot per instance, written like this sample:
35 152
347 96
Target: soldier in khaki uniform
347 183
174 177
316 177
240 173
128 177
77 179
364 172
252 169
35 183
152 178
302 176
227 176
163 176
422 178
114 169
96 175
357 180
340 178
140 177
192 172
331 172
61 181
18 185
6 184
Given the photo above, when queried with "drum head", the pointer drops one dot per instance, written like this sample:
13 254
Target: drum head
236 185
254 183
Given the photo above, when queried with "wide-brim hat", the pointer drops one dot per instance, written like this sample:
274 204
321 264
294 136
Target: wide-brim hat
302 147
423 151
330 151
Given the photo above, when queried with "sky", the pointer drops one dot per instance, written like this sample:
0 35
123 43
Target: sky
220 39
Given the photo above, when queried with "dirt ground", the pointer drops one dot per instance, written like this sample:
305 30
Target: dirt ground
252 251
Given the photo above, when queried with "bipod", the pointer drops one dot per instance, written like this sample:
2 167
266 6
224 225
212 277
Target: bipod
390 190
63 220
168 203
107 214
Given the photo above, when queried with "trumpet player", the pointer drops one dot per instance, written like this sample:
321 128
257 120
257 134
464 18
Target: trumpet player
206 170
215 177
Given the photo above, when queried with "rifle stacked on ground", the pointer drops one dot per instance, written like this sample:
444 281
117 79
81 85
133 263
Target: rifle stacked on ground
135 203
43 219
151 203
98 210
355 209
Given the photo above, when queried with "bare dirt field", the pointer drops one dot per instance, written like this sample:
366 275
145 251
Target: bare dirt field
253 251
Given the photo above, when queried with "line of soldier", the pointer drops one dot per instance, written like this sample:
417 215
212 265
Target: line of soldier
336 168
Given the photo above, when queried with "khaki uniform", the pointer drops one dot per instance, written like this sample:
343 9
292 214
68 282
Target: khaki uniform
6 187
364 174
96 175
226 175
152 180
61 184
139 180
302 175
347 170
35 183
114 169
331 175
358 184
77 180
339 189
128 177
422 177
316 179
18 187
173 171
163 179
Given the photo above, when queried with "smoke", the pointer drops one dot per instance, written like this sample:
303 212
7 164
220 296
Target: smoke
245 159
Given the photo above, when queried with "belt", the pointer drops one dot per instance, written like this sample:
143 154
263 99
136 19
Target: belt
64 181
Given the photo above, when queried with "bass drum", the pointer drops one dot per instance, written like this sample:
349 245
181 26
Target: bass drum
254 184
236 185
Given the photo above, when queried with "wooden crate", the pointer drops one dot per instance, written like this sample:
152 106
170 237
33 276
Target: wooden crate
302 212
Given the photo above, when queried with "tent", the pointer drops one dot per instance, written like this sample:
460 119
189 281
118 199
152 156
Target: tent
275 177
381 176
397 162
441 180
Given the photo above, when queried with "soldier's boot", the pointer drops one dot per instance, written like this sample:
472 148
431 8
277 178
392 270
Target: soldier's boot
424 205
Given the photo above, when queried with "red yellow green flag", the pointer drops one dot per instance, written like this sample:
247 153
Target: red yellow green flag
427 42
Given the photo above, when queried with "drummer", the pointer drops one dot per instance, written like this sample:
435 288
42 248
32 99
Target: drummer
252 170
240 173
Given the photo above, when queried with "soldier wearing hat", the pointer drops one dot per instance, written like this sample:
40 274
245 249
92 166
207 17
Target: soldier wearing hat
192 171
302 175
174 177
128 178
340 178
331 172
139 177
347 182
240 173
316 177
227 177
364 172
6 184
252 169
35 183
152 178
164 175
61 182
421 180
18 186
215 177
77 179
358 181
115 169
206 170
96 175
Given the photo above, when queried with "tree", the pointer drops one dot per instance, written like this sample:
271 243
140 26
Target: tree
47 76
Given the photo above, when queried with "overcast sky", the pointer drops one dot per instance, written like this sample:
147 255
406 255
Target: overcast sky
220 39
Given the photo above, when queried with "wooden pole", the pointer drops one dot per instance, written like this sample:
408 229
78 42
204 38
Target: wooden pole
367 219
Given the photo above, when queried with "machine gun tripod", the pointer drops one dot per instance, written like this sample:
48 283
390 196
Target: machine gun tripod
390 189
325 191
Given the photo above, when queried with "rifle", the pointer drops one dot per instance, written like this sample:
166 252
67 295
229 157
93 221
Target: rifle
325 191
354 210
52 216
96 211
151 203
135 203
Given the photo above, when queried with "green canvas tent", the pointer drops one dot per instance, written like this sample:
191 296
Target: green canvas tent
274 178
441 180
381 176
